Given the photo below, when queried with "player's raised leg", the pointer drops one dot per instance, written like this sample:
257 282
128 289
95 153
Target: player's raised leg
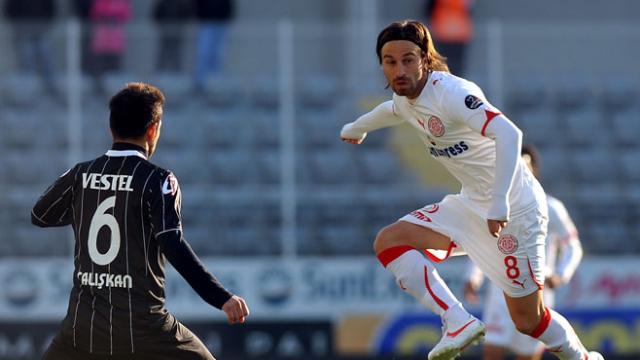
397 249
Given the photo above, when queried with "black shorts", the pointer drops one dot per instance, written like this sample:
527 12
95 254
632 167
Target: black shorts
189 348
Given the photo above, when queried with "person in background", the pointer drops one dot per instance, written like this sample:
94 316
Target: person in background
104 39
452 26
171 17
31 23
563 255
213 17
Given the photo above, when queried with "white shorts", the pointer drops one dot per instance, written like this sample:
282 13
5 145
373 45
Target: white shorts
514 261
500 328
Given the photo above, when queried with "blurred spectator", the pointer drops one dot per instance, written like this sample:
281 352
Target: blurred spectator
171 17
31 21
106 41
213 18
452 28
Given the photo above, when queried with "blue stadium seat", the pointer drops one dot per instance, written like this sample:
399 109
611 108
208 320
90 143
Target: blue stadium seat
629 169
320 129
318 91
378 167
626 127
265 129
234 167
584 126
540 126
224 91
330 167
21 89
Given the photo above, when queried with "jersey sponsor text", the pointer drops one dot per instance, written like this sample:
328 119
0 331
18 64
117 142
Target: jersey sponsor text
107 182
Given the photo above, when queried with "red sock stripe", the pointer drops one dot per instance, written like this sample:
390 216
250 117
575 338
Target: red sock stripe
437 299
543 325
388 255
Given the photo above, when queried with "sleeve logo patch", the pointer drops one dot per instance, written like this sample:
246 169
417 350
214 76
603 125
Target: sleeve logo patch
472 102
170 185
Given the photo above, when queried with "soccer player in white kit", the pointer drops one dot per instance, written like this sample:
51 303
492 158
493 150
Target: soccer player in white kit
500 216
563 255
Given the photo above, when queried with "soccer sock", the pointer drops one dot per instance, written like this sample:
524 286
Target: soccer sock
417 276
559 337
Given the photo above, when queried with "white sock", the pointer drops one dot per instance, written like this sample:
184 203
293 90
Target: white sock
559 337
417 276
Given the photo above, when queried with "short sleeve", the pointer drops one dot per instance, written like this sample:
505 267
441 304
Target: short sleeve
465 102
165 204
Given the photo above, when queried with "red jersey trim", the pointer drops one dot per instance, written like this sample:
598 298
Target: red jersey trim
490 116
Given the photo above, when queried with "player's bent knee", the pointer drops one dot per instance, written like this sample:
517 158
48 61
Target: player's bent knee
526 325
389 236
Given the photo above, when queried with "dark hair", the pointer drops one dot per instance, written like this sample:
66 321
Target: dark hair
134 108
417 33
530 149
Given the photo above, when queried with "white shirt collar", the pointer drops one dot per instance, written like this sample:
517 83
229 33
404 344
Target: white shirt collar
119 153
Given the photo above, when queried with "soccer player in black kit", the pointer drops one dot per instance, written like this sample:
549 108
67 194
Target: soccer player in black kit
125 214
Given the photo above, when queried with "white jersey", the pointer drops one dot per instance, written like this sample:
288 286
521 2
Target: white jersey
452 116
564 250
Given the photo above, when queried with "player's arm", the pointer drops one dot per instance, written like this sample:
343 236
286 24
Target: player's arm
569 246
53 208
468 104
380 117
165 204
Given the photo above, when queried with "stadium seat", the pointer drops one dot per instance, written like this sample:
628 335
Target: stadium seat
21 89
540 126
584 126
554 165
265 129
378 167
330 167
319 129
626 127
225 130
175 86
572 91
230 167
629 169
223 91
593 165
265 92
268 166
318 91
618 91
526 92
185 164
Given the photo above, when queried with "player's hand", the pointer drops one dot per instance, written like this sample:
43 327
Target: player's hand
236 309
471 292
553 281
353 141
496 226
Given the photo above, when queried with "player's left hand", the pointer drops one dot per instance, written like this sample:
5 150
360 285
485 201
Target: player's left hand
496 226
236 309
352 141
553 281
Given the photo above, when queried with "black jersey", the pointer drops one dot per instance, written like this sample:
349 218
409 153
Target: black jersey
125 213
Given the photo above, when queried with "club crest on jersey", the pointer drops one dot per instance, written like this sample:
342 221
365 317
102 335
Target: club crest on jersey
431 208
170 185
507 244
472 102
436 127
